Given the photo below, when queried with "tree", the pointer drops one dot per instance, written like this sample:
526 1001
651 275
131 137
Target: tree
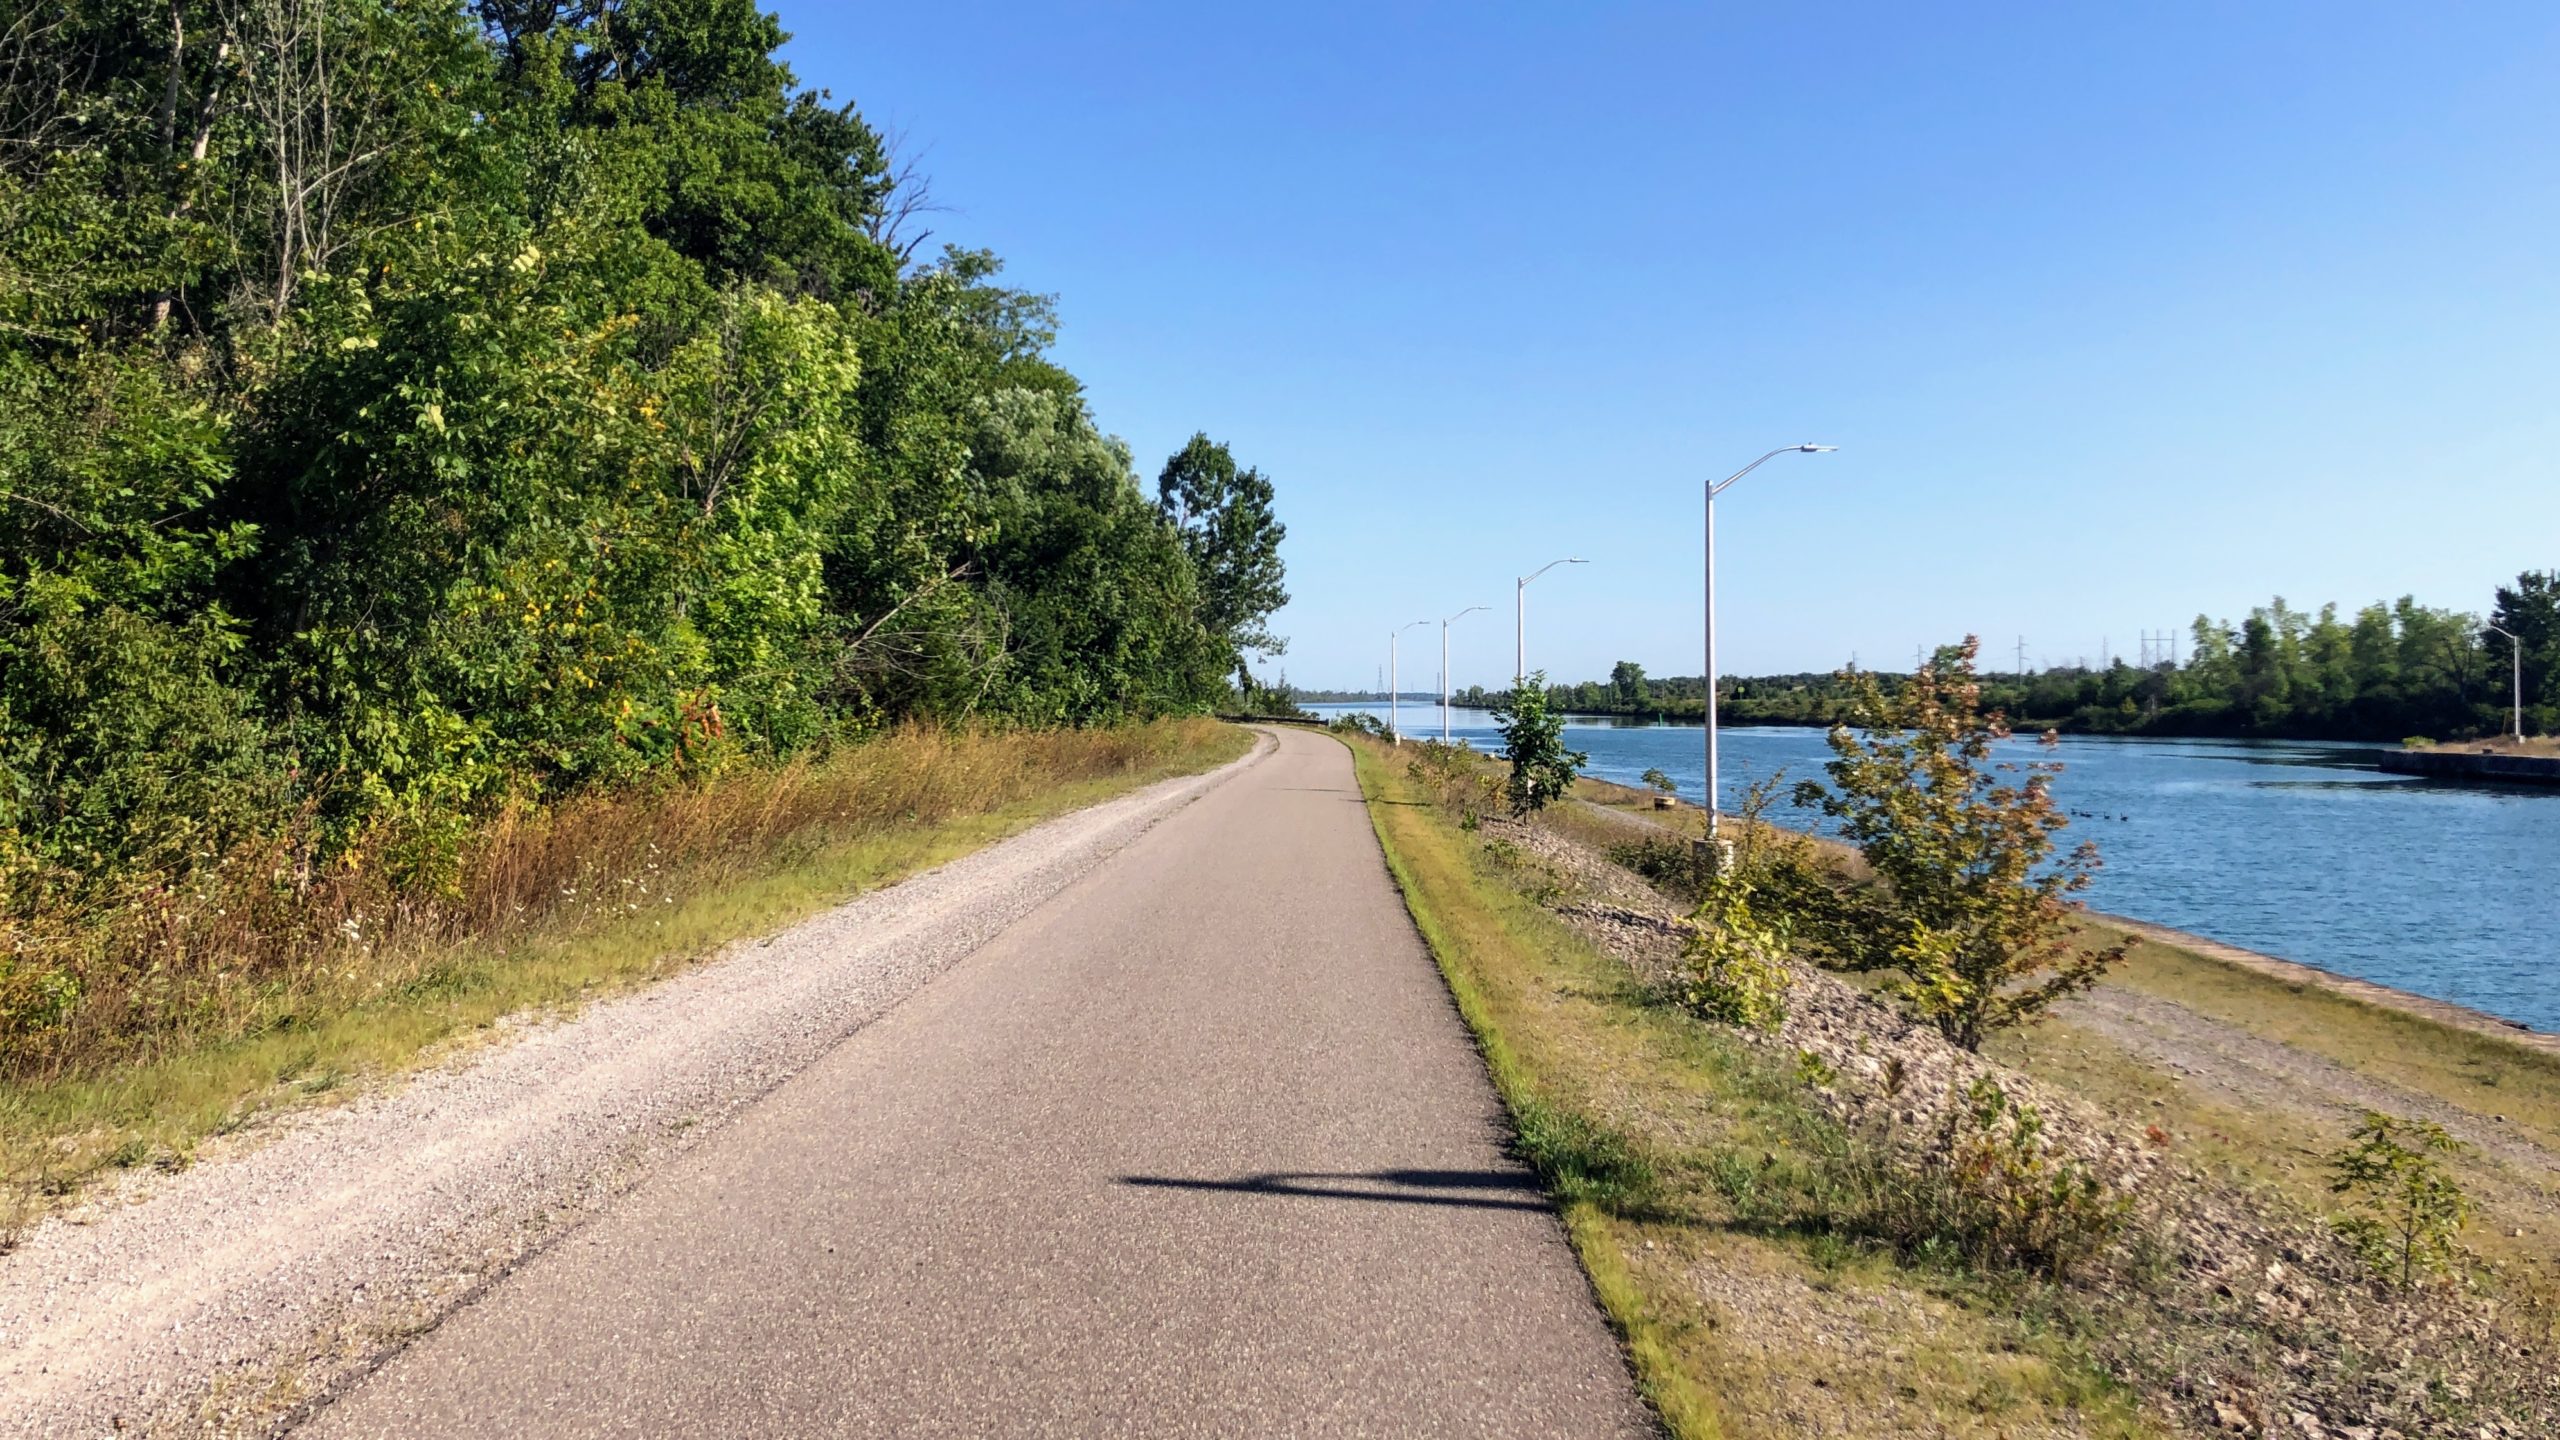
1542 770
408 409
1627 688
2530 610
1971 901
1224 515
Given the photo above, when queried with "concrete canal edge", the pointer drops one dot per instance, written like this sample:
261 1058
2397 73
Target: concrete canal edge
2447 763
2294 972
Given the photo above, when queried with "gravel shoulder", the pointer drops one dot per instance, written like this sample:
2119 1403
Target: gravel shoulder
227 1296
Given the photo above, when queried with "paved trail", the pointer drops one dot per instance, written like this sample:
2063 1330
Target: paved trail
1196 1147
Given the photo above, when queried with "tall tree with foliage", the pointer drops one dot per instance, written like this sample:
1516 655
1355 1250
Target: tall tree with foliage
1971 901
1627 688
2530 611
1232 534
410 409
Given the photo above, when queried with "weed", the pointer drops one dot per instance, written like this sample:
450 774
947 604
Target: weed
1986 1190
1580 1159
1675 866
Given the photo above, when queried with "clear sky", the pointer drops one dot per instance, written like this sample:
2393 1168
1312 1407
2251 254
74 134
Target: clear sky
2119 313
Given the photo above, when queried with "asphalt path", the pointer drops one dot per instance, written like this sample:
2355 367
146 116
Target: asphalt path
1199 1146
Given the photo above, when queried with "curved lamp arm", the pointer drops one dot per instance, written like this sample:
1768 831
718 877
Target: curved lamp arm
1806 449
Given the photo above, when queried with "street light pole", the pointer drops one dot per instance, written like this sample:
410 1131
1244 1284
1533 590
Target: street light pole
2515 649
1708 799
1395 706
1444 668
1520 619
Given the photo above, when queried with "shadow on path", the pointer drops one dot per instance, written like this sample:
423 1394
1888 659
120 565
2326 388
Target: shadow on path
1402 1187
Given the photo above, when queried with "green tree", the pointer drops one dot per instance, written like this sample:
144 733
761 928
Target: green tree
1627 686
2405 1210
2530 610
1972 896
1542 769
1088 581
2373 648
1233 537
2328 652
410 408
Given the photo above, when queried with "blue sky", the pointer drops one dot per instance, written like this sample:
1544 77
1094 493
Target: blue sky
2119 313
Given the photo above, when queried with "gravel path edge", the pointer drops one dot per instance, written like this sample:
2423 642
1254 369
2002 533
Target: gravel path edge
234 1296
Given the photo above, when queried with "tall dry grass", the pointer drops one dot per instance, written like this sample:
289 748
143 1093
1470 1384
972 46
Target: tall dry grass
268 933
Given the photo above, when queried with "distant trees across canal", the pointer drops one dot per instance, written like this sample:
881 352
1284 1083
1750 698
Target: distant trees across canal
2382 673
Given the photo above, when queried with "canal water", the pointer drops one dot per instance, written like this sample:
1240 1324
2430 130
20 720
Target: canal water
2295 848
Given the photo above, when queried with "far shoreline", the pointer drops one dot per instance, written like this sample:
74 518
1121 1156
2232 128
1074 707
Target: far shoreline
1732 719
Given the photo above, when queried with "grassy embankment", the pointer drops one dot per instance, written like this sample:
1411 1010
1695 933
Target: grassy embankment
2258 1071
1644 1120
595 896
1632 1111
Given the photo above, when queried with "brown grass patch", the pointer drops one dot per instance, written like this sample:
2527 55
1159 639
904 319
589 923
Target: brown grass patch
263 982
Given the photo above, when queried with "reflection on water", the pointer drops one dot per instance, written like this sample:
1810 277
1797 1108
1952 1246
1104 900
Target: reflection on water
2296 848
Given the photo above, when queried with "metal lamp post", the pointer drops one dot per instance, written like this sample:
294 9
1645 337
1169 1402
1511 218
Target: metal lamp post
1714 490
2515 649
1520 619
1444 667
1395 731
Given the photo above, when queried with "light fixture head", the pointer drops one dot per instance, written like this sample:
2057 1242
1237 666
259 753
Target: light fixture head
1813 449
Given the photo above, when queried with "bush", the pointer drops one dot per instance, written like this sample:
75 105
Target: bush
1662 784
1451 775
1542 770
1973 902
1737 961
1988 1189
2405 1212
1677 866
2418 742
1738 955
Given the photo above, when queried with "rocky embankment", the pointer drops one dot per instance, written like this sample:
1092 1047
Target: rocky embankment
2227 1307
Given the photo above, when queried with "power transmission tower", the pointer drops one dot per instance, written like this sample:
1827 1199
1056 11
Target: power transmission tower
2022 654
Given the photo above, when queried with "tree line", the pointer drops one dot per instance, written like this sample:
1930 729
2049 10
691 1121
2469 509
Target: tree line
2384 673
412 408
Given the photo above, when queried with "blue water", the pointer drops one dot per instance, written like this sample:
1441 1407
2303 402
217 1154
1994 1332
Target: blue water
2295 848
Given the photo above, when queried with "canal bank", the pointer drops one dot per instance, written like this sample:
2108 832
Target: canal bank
2483 763
2246 1081
2301 849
